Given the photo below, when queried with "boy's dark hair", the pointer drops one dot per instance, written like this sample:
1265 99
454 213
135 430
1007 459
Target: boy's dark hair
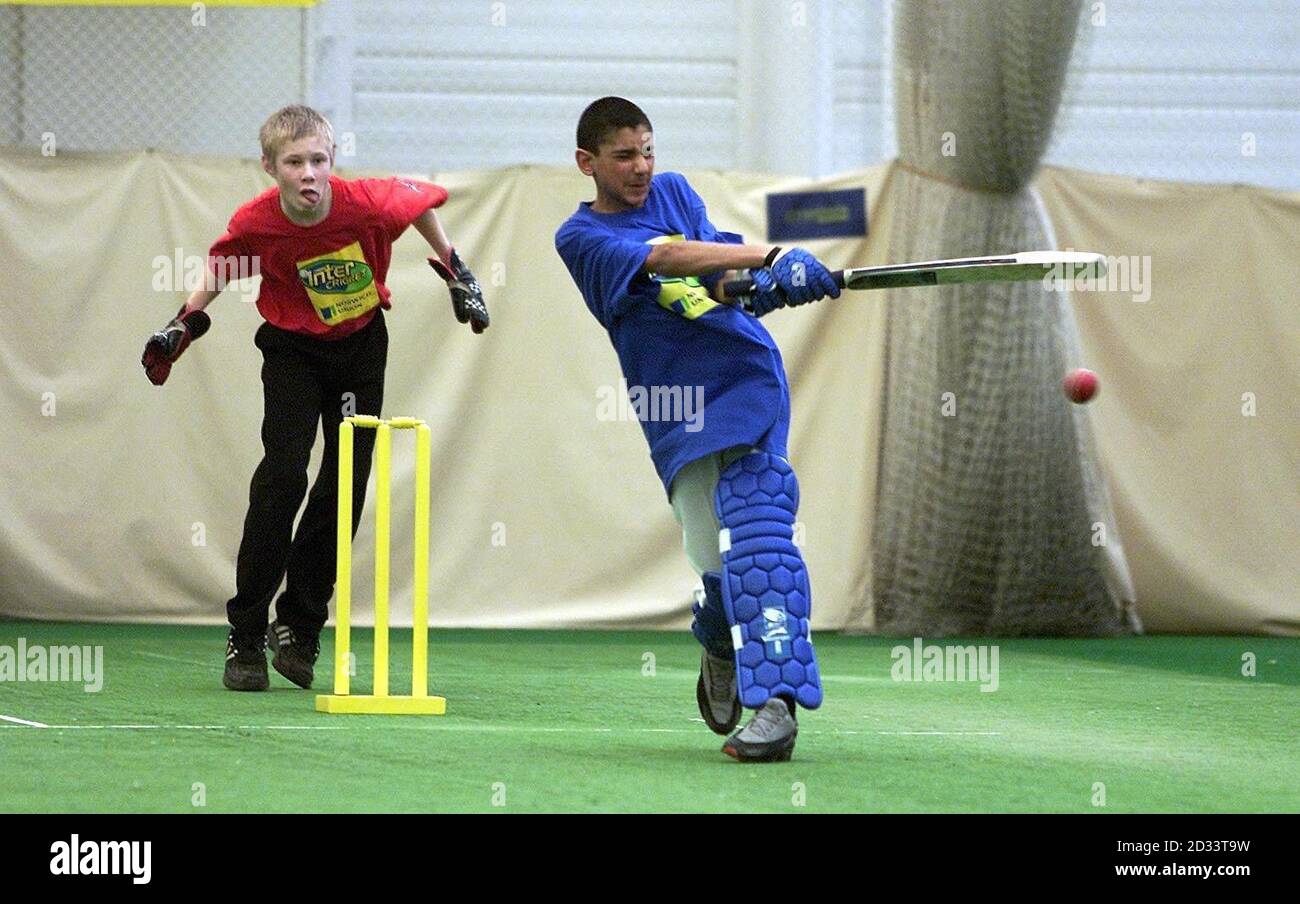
609 114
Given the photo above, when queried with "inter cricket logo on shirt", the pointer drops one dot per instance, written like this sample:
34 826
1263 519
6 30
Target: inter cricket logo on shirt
340 284
684 295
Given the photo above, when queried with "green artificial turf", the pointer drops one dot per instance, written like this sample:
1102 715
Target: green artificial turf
606 721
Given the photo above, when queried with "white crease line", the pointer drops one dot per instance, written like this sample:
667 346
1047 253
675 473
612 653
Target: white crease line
298 727
17 721
454 726
180 727
857 679
1234 683
206 665
954 733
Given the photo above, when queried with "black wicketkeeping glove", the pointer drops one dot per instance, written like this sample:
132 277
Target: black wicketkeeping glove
466 295
166 345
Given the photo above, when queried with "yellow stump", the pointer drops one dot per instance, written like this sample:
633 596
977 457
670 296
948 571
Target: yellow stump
420 592
383 524
343 572
342 700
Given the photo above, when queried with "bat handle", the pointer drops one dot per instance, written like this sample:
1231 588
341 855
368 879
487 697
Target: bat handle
742 286
737 288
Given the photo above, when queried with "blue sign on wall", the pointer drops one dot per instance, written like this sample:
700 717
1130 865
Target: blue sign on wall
792 216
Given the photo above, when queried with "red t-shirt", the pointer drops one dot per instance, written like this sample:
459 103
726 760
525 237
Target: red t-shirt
325 280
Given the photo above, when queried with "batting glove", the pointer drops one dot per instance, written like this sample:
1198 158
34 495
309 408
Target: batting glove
765 296
802 277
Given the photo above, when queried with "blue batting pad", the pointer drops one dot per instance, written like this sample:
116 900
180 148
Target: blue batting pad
765 589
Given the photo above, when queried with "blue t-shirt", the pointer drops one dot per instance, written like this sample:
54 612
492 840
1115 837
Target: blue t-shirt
676 344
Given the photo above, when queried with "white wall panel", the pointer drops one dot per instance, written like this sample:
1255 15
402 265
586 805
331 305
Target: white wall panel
1166 89
1163 89
132 77
859 52
449 85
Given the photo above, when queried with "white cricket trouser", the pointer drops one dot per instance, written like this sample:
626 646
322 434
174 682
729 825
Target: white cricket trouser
691 496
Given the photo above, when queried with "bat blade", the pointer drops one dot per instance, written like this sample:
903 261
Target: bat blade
1026 266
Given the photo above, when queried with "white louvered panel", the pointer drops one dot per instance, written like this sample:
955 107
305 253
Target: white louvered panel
1188 145
1166 90
528 77
1223 91
859 112
859 103
438 86
561 29
1193 35
417 133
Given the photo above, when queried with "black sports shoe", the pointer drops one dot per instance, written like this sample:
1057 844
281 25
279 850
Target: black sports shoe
245 665
769 736
295 653
715 693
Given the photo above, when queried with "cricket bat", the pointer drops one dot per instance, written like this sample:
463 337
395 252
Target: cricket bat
1024 266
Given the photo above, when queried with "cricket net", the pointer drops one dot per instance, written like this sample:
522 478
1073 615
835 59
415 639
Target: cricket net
992 516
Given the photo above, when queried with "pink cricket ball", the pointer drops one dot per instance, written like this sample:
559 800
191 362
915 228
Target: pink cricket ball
1080 385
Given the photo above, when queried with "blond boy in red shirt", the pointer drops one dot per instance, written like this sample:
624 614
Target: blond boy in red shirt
322 246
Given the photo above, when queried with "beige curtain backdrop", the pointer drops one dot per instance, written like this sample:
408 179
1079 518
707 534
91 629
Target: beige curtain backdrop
125 502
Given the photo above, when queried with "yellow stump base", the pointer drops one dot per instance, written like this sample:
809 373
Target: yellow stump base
365 703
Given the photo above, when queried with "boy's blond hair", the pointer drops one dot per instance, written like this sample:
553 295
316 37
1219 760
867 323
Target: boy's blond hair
291 123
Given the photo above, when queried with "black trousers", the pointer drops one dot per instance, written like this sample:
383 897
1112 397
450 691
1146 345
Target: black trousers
305 382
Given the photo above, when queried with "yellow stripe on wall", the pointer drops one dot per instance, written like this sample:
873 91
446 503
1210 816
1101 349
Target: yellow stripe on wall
158 2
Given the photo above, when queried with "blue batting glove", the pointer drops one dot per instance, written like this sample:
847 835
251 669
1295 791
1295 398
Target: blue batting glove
766 296
803 278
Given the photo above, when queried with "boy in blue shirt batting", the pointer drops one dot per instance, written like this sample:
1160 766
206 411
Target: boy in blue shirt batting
650 267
